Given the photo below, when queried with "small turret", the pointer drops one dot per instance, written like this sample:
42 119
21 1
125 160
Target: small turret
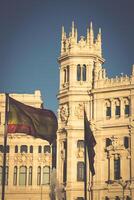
88 36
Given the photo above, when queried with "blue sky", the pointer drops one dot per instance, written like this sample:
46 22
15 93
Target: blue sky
30 33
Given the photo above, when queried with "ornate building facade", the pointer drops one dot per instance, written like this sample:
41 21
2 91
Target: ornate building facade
29 160
109 104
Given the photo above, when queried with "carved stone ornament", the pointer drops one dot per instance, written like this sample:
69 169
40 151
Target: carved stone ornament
64 113
79 111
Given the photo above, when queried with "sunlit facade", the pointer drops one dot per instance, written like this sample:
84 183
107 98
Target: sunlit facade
109 104
28 159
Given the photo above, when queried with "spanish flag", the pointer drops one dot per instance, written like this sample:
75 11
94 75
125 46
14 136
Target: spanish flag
39 123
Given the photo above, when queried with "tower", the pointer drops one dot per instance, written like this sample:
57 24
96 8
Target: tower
80 66
109 106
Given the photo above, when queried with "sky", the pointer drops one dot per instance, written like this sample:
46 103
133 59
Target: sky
30 34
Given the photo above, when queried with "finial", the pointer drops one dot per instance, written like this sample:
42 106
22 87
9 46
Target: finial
76 35
62 36
133 70
72 28
88 36
91 35
99 30
91 25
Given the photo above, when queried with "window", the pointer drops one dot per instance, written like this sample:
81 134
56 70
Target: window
46 175
117 111
30 176
126 110
23 175
31 149
80 144
126 142
128 198
84 73
15 176
47 149
106 198
117 198
80 198
108 112
117 168
23 149
39 149
108 142
1 148
16 149
108 109
80 171
1 175
78 72
81 72
39 175
6 175
66 74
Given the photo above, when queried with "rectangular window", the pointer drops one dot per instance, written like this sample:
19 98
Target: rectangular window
30 176
80 144
80 171
46 175
80 198
39 149
117 169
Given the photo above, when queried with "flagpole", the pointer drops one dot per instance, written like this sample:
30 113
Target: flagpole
85 163
4 150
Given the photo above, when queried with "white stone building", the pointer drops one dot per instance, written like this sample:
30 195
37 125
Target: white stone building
109 104
29 160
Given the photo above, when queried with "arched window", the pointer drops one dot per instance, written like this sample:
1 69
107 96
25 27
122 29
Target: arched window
39 149
108 109
23 149
80 171
23 175
1 168
47 149
78 72
126 108
39 175
117 108
16 149
108 142
106 198
46 175
30 176
117 198
31 149
117 168
6 175
84 73
15 176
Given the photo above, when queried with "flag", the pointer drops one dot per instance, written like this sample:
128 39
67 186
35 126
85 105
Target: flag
90 143
39 123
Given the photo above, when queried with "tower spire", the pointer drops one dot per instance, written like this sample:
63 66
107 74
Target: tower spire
62 34
91 35
73 29
98 41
